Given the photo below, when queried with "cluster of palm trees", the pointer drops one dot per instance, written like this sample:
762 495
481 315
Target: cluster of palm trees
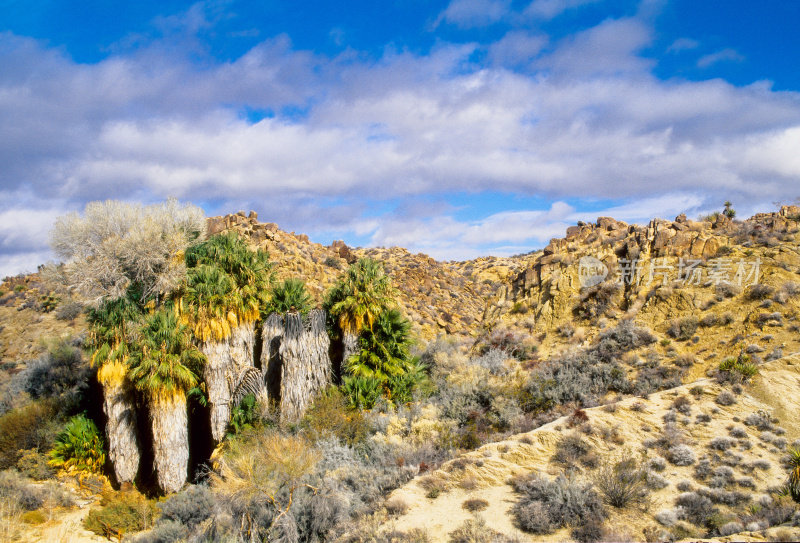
155 350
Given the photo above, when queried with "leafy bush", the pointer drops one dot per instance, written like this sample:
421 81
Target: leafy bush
596 300
760 291
736 369
473 531
165 531
79 447
546 505
474 504
35 465
362 392
124 512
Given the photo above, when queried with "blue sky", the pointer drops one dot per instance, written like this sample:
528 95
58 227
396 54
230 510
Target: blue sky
457 128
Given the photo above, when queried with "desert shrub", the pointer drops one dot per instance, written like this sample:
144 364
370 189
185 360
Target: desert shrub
622 483
79 447
398 506
657 463
331 415
731 528
333 262
591 531
725 398
653 377
577 376
738 432
565 329
695 508
473 531
190 507
681 455
17 490
124 512
474 505
685 360
596 300
572 449
727 290
683 405
35 465
32 426
725 497
60 374
764 318
683 329
703 417
493 360
759 291
760 419
165 531
546 505
721 443
721 477
69 311
792 463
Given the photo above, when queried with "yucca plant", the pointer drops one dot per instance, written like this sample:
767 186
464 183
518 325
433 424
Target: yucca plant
79 447
793 483
164 367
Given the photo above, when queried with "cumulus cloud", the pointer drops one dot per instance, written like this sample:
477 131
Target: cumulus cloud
335 139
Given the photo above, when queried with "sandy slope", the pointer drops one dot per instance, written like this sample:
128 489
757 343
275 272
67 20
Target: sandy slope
776 389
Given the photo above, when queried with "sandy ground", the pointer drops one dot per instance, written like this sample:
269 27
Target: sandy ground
776 389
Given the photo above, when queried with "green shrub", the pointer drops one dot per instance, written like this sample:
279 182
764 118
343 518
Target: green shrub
35 465
121 513
243 416
331 414
362 392
79 447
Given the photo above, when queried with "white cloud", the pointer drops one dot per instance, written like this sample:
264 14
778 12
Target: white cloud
683 44
725 55
585 119
550 9
474 13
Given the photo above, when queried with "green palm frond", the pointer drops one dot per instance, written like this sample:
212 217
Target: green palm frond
165 361
291 294
360 295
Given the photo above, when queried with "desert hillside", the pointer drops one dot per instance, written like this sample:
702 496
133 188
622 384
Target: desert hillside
626 383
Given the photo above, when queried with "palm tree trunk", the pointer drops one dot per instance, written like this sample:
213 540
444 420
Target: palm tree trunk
349 346
306 365
170 440
226 360
123 442
271 337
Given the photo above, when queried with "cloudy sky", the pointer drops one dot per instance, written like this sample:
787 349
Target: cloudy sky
460 128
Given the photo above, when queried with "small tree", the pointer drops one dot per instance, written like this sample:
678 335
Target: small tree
117 245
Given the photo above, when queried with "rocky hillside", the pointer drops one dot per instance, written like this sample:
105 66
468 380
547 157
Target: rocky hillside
438 297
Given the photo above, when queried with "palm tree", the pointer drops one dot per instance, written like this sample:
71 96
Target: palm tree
357 299
163 367
226 292
383 348
291 295
110 336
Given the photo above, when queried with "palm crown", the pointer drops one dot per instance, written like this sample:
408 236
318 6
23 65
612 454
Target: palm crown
360 296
